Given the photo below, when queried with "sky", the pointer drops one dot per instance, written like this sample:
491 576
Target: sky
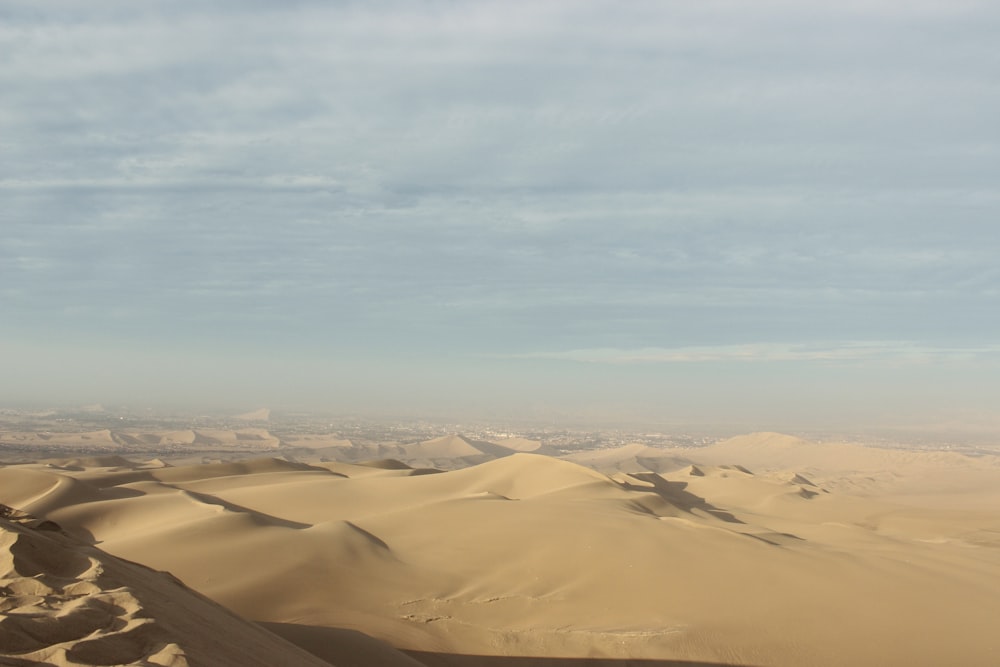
769 212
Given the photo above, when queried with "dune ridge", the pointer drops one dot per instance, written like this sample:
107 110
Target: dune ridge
66 603
765 550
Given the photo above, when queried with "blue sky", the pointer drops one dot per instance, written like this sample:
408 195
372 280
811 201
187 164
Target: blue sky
784 212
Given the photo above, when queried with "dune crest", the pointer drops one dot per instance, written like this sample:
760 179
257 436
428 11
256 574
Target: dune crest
764 440
757 551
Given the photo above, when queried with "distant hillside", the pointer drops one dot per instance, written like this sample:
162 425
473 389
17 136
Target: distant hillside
259 415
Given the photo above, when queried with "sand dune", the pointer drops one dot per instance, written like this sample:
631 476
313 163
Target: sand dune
65 603
105 440
445 452
629 458
453 451
101 439
943 477
260 415
91 462
445 447
252 437
754 551
523 445
314 442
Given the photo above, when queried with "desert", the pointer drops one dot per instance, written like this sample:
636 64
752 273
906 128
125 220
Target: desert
500 334
760 549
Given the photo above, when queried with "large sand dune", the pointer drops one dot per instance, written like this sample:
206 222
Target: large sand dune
765 550
66 603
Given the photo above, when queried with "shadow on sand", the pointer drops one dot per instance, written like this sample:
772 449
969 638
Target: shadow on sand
341 646
456 660
676 494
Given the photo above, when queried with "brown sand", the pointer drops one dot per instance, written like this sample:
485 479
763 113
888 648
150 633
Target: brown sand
764 550
65 603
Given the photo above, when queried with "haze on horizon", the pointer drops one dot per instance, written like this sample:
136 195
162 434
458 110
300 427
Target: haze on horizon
783 213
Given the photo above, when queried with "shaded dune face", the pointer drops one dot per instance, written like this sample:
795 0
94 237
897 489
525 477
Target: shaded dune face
65 603
753 555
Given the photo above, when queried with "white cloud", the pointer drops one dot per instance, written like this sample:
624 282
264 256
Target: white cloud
894 352
616 181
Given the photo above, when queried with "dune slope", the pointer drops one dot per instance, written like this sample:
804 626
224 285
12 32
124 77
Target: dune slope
531 556
65 603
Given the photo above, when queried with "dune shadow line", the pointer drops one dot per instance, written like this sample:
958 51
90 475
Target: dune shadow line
340 646
431 659
676 494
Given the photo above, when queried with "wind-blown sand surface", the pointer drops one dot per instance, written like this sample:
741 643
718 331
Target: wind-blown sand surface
761 550
66 603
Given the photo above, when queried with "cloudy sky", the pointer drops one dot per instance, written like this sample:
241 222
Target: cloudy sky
771 211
